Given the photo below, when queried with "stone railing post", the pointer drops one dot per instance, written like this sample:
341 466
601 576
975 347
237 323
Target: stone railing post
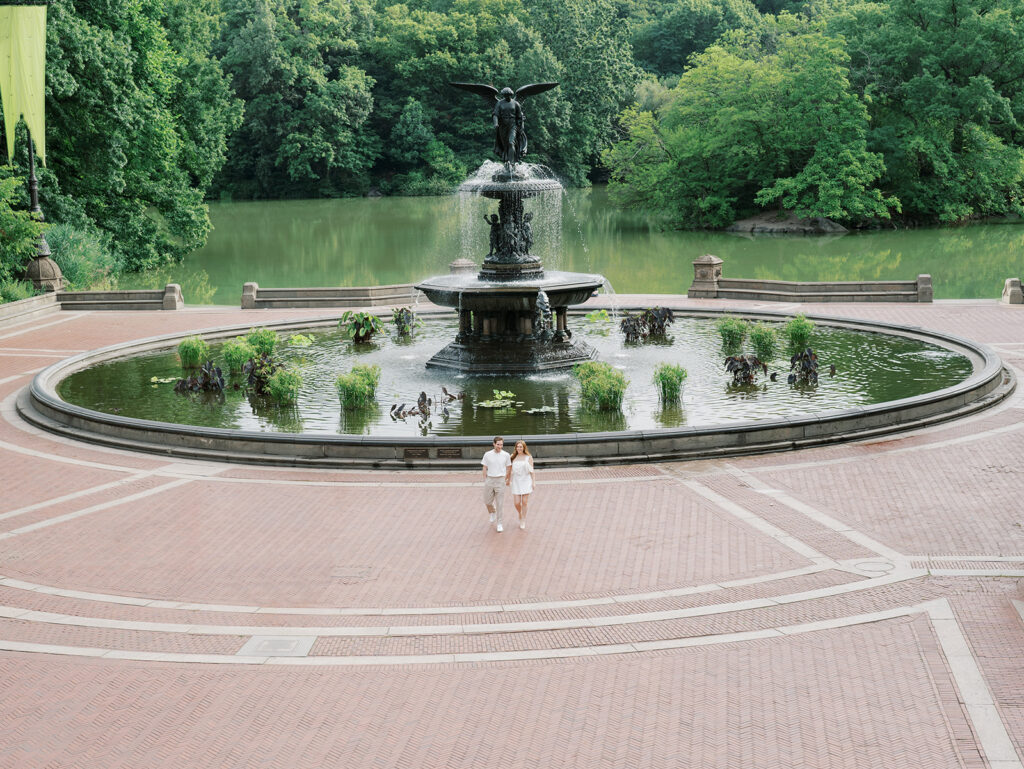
172 297
707 269
1012 293
924 288
249 295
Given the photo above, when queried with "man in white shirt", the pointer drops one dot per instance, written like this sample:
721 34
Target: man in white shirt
495 467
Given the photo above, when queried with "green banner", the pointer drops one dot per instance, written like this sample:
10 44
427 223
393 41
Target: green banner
23 72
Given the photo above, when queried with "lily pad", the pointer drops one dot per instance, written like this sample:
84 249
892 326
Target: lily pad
541 410
164 380
300 340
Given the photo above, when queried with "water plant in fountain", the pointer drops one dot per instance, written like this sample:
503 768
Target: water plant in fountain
513 316
651 323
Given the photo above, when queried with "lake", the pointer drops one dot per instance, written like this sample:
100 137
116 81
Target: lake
375 241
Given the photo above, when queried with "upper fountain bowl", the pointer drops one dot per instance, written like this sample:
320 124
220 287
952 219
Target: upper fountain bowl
492 180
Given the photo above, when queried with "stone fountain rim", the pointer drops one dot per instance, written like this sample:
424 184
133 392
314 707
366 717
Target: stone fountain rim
40 405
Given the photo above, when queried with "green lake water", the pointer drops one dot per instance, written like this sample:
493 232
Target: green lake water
361 242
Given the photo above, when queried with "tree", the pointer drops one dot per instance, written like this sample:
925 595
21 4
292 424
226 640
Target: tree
665 42
419 47
749 127
591 40
945 84
136 125
306 102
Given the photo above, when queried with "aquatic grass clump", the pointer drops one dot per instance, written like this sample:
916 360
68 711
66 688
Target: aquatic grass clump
283 386
193 351
798 332
602 386
733 331
262 340
669 378
300 340
358 388
236 352
765 341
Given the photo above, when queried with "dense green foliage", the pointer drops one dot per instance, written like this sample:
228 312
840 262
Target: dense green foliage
358 387
855 111
14 290
192 351
283 386
18 233
602 386
236 352
798 333
669 378
262 340
733 332
83 256
765 341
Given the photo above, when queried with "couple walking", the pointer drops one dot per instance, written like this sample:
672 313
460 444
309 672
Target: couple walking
501 470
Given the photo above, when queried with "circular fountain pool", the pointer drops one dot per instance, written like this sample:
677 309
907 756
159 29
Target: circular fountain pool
886 378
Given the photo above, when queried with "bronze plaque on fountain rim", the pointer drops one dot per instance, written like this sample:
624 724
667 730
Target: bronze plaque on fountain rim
416 454
449 453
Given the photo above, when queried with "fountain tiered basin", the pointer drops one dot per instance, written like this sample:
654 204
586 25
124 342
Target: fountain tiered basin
512 316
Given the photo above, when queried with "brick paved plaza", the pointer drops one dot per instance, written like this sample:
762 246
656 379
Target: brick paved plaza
858 605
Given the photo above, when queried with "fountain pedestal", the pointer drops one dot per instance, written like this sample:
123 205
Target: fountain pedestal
512 316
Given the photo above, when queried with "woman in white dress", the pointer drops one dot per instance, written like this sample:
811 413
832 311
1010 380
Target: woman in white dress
520 479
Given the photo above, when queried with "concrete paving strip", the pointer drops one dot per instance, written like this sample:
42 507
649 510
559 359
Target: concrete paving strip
1011 428
36 326
815 515
75 495
505 656
154 603
29 615
974 692
756 522
94 509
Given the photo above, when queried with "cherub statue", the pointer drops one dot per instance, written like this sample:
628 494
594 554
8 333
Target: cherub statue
527 232
507 115
495 224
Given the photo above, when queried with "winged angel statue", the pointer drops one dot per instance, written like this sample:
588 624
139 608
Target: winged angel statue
509 134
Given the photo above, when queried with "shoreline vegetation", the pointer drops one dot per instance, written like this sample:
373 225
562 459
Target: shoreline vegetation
705 113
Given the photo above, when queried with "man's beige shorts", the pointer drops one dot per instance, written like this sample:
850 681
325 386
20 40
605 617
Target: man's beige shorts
494 490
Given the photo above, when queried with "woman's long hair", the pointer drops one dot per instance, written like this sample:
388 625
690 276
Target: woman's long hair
515 449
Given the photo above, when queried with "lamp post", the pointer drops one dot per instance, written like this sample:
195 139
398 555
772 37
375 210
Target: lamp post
44 273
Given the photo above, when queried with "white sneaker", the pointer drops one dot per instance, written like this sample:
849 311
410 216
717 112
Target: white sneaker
493 517
499 528
522 524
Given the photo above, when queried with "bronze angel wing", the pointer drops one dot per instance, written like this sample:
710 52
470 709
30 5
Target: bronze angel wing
489 92
533 88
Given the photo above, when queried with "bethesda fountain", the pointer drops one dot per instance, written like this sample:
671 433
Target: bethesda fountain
513 316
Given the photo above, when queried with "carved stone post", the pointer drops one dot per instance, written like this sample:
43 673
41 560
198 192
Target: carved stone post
1012 293
924 288
172 297
707 269
249 295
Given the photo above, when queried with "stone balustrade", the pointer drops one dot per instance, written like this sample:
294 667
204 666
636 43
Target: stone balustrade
708 283
256 298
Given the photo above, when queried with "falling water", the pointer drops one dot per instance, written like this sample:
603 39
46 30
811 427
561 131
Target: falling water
607 290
